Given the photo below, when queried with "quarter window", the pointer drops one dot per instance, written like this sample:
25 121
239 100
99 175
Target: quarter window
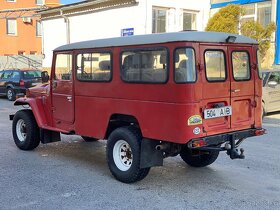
145 66
94 67
185 65
240 66
63 67
215 66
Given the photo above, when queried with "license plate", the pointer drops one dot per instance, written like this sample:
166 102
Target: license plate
217 112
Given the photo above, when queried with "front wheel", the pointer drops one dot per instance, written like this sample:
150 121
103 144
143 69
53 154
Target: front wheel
25 130
197 158
123 155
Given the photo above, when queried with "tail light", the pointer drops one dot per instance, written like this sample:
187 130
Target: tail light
260 132
198 143
21 83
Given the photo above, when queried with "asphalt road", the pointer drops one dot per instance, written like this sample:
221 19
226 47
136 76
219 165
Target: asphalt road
73 174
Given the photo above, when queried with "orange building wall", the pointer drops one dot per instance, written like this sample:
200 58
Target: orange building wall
26 39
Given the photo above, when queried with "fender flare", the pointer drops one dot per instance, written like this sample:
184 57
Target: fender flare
37 109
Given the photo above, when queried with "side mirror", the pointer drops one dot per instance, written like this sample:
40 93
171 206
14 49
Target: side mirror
45 76
272 84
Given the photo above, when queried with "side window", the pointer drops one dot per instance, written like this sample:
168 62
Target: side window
63 67
7 75
240 66
145 66
15 75
275 77
1 74
215 66
94 67
184 65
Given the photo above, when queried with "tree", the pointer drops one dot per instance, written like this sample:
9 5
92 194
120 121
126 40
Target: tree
227 19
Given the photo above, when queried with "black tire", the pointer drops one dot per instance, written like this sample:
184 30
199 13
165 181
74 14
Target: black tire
11 95
89 139
131 137
29 129
197 158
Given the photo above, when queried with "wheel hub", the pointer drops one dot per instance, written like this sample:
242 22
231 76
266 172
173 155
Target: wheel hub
122 155
21 130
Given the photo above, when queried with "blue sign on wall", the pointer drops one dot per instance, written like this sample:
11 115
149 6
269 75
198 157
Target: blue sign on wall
127 32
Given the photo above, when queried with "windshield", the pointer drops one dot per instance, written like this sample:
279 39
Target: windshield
31 74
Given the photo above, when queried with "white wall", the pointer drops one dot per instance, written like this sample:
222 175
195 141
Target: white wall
108 23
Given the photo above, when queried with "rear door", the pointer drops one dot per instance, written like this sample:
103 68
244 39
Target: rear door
216 89
242 90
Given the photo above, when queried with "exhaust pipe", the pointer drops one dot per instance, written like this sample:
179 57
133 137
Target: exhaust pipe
162 147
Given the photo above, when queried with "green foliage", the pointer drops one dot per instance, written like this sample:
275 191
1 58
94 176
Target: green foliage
262 34
226 20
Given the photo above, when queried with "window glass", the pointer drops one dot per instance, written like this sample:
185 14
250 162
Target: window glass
1 72
94 67
159 20
189 21
11 26
31 74
240 66
215 66
185 65
275 77
15 75
38 28
39 2
249 9
145 66
63 67
7 74
264 13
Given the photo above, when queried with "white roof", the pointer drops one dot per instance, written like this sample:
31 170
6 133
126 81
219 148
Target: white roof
190 36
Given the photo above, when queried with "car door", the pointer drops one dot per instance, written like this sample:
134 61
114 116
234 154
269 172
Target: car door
242 90
273 92
216 86
62 90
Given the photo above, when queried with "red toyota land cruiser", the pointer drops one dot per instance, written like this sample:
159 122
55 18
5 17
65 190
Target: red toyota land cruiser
152 96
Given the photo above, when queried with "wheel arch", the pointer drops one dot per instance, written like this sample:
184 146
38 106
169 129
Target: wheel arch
36 107
117 120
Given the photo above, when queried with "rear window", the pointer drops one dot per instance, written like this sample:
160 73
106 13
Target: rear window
215 65
145 66
31 74
240 65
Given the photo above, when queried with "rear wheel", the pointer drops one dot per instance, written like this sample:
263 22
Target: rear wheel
197 158
89 139
25 130
123 155
11 95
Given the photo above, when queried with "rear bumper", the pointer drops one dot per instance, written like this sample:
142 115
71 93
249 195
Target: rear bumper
217 140
20 91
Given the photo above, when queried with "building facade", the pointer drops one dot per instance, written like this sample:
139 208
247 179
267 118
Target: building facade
98 19
264 12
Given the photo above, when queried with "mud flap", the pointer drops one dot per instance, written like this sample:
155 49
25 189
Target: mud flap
48 136
149 155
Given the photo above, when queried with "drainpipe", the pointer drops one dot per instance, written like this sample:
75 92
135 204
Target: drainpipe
67 21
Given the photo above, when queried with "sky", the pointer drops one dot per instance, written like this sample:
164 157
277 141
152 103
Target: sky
69 1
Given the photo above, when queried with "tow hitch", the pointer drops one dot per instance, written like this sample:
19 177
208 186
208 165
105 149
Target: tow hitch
232 150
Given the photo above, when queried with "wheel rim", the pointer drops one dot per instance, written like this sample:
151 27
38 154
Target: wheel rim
122 155
21 130
9 94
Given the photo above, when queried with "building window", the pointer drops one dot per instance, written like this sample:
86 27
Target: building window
10 0
38 28
11 25
260 12
159 20
39 2
189 21
21 53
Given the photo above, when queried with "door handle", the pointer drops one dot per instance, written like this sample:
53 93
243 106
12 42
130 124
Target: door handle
69 98
235 91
